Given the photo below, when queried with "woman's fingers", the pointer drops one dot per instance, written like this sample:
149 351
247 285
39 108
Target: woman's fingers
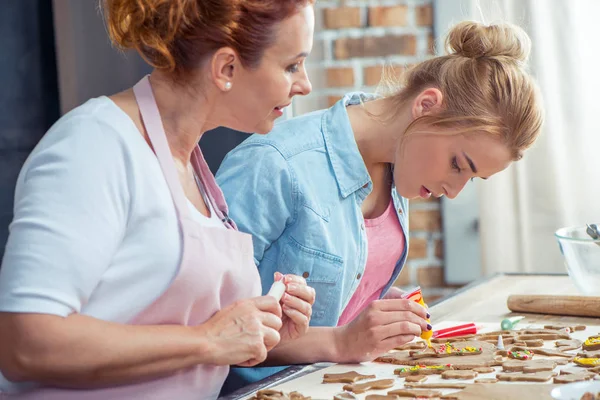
296 286
402 305
299 319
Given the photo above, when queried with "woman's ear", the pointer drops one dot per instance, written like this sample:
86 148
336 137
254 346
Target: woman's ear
428 101
223 67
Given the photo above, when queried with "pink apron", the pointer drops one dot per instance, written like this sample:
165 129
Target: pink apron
217 268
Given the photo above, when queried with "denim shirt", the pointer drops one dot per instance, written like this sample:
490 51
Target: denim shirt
298 191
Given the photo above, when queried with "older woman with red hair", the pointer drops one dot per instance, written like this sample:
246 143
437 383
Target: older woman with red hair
123 277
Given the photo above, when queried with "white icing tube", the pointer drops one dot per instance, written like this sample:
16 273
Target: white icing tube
277 290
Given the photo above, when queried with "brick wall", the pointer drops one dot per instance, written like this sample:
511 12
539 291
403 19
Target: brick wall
354 39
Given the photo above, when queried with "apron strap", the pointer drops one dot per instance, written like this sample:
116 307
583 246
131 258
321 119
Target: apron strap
156 132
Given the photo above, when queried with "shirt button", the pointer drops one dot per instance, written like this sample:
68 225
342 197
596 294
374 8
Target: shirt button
366 185
358 276
400 211
305 275
362 226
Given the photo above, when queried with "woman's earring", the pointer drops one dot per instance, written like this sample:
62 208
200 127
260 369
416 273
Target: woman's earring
227 85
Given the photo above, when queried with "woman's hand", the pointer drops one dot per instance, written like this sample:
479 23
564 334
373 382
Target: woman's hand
383 325
394 293
297 302
243 332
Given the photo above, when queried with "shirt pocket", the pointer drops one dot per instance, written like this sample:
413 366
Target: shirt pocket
322 271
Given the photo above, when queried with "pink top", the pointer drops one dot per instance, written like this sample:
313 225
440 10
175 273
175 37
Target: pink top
386 244
217 268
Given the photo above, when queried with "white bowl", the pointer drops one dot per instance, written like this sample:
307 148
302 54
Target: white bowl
574 391
582 258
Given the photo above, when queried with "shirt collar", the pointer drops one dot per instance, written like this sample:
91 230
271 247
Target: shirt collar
348 165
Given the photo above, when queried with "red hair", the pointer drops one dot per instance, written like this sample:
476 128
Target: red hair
178 35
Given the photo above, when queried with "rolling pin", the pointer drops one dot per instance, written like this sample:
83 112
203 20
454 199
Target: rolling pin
580 306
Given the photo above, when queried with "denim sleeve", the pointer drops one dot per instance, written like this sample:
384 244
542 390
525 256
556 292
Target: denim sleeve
259 189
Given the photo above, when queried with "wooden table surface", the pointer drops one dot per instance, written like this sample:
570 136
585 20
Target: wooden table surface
481 301
485 301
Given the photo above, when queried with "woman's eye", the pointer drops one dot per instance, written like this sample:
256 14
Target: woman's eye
293 68
455 164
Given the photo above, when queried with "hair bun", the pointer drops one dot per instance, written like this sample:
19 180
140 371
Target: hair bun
475 40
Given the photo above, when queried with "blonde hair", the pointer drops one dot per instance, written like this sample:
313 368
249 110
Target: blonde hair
484 83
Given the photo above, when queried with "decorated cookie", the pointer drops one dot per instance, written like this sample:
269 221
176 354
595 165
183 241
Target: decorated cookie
592 343
520 354
528 366
459 374
416 378
485 358
440 385
372 385
346 377
484 370
543 351
541 376
587 362
418 393
422 370
568 344
486 380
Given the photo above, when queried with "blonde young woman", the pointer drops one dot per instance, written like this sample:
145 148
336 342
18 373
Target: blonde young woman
123 277
325 195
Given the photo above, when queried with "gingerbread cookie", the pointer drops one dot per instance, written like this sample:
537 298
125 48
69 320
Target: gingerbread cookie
382 397
568 344
269 394
454 339
372 385
484 370
514 391
486 380
415 378
560 360
575 370
520 354
447 350
543 336
541 332
534 343
440 385
589 354
541 376
592 343
459 374
412 346
345 396
543 351
528 366
574 328
487 357
346 377
422 370
570 378
394 357
418 393
587 362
